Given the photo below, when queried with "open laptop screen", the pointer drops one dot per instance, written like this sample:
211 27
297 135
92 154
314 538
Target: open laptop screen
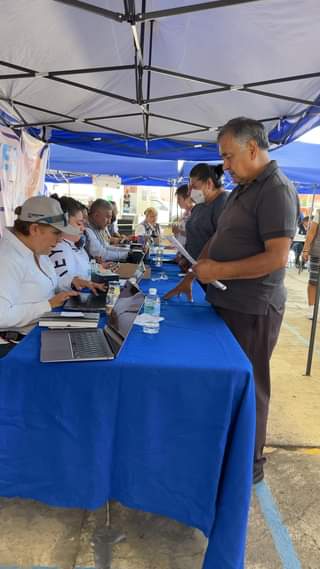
123 315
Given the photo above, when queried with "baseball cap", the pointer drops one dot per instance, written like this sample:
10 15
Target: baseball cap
47 211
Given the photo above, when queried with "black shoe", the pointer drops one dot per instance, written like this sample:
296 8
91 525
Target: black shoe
258 475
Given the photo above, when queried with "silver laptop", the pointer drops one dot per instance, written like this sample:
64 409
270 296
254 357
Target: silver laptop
89 302
98 344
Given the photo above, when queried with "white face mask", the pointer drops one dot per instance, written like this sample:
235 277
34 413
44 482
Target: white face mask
197 196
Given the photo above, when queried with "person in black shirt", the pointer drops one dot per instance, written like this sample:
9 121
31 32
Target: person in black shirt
209 197
249 253
207 192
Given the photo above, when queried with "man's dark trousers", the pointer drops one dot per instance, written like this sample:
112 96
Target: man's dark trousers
257 335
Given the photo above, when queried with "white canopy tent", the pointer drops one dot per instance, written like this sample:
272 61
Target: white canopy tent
154 69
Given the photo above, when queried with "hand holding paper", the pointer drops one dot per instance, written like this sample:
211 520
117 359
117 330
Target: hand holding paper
191 260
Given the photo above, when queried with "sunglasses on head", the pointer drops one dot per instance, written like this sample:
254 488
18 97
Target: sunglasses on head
63 217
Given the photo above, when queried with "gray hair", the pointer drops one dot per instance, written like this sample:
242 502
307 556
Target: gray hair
99 204
245 129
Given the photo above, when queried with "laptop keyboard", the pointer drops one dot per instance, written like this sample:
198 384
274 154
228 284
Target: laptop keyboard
88 344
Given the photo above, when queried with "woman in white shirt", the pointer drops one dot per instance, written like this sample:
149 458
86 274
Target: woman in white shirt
149 228
28 284
69 258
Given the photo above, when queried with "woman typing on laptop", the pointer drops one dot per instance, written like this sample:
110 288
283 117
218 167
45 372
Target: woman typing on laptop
69 258
28 283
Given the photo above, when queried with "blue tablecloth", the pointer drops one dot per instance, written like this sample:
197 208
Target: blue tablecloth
168 427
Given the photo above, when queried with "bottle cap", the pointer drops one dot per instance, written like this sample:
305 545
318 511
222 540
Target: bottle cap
153 291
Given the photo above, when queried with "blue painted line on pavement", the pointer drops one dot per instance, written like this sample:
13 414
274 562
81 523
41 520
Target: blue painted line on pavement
297 334
279 532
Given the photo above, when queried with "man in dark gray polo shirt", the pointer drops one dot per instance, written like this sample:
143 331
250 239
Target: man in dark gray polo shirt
249 252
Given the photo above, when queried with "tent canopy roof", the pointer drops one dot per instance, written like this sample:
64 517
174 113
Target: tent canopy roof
300 162
133 171
161 69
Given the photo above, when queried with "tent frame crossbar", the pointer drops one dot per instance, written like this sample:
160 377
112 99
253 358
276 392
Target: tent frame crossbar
247 87
13 102
129 16
145 117
191 8
93 89
229 87
91 70
147 108
90 121
112 129
41 124
120 116
156 115
115 16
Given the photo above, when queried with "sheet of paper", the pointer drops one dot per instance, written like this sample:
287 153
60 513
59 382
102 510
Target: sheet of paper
142 319
191 260
71 314
181 249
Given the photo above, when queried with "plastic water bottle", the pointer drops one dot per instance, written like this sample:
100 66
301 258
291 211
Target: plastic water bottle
152 310
159 257
93 268
112 295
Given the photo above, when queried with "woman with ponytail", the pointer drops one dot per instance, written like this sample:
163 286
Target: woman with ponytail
207 192
69 258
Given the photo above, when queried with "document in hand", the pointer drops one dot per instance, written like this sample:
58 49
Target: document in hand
191 260
62 320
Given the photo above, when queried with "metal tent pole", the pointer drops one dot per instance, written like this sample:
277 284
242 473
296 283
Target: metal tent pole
312 203
313 327
316 305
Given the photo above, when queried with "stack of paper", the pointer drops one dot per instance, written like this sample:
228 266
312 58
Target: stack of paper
70 320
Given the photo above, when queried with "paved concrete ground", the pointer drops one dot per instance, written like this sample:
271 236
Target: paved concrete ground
31 534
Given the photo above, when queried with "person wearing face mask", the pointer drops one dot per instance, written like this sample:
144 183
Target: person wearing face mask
28 283
186 204
208 194
69 258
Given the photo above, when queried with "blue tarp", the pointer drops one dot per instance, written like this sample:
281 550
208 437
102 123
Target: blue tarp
133 171
164 149
300 162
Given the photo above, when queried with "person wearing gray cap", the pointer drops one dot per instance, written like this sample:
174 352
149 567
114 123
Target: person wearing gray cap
28 282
